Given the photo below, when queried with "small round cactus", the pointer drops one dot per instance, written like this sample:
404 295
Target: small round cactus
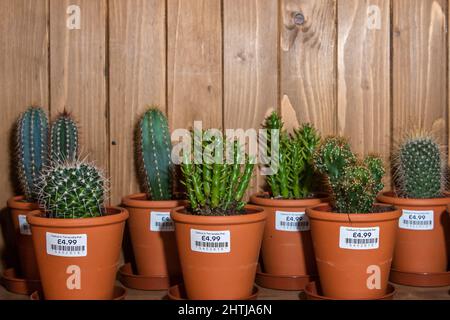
72 189
64 139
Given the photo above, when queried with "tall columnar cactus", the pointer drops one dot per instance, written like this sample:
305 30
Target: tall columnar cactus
294 178
64 139
72 190
154 155
354 183
419 167
32 149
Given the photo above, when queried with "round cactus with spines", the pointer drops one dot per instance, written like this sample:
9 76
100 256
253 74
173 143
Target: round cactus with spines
72 190
64 139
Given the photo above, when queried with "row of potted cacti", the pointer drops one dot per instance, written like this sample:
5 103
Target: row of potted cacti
210 237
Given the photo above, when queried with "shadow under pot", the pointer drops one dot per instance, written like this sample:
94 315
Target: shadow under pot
353 251
152 235
78 258
287 248
219 254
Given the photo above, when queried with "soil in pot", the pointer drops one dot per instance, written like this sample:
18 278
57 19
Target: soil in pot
423 238
353 251
219 254
78 258
287 248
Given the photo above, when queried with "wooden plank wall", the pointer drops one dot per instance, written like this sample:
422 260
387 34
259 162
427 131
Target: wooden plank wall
367 69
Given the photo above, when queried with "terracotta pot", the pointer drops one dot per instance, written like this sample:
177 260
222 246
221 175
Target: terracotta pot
87 266
287 248
353 251
152 235
219 255
421 247
19 208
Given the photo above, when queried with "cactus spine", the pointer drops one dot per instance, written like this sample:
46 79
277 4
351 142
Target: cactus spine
32 149
154 155
64 139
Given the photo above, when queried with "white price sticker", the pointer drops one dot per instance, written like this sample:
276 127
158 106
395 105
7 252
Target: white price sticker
210 241
359 238
66 245
417 220
291 221
24 227
161 222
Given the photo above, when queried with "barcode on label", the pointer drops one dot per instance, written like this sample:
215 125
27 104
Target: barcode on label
291 221
359 238
67 248
417 220
294 224
206 241
211 244
24 227
360 241
66 245
418 223
161 222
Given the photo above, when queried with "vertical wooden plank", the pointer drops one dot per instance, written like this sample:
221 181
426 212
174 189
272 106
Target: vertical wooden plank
308 60
420 66
194 42
250 64
364 75
137 80
79 73
23 82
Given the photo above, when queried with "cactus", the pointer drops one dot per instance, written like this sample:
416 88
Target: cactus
354 183
154 155
419 167
227 181
64 139
295 174
32 149
72 190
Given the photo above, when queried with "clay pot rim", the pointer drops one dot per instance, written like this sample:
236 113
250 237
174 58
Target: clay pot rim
180 217
321 197
18 202
139 200
391 197
323 212
115 215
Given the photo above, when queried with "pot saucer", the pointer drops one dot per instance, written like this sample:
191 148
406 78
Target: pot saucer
119 294
134 281
178 292
17 285
287 283
420 279
313 292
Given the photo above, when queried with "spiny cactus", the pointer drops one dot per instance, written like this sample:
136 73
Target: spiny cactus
32 149
64 139
354 183
72 190
419 167
216 187
295 174
154 155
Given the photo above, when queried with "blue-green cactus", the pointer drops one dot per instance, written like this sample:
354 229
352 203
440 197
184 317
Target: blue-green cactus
64 139
32 149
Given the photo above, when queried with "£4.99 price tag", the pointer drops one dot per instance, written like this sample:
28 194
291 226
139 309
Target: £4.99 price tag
291 221
24 227
210 241
359 238
417 220
66 245
161 222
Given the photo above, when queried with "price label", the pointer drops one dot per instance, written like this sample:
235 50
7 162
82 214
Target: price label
291 221
24 227
210 241
359 238
66 245
417 220
161 222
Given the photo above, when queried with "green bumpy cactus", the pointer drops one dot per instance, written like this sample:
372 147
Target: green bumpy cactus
216 187
32 149
354 183
64 139
72 190
294 178
154 155
419 167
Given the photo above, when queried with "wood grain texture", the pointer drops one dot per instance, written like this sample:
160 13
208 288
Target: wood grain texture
194 42
250 65
137 75
420 66
79 73
308 61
